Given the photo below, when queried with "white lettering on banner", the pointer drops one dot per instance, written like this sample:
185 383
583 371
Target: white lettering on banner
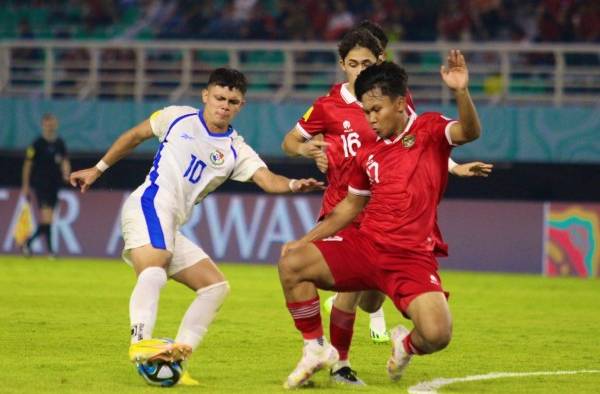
220 233
307 217
36 246
115 234
187 229
279 219
62 223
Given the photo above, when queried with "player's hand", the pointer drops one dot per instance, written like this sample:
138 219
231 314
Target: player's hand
315 149
476 168
456 75
289 246
306 185
83 179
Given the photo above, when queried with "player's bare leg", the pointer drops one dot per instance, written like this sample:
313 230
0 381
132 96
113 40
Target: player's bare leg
211 288
371 301
301 271
150 266
432 331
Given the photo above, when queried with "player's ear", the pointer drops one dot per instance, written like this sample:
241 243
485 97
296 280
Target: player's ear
342 66
381 58
400 104
204 95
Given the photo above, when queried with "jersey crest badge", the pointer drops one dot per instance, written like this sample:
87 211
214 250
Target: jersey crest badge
408 141
217 158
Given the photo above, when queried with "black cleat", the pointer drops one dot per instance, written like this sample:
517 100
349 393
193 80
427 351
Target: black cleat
347 375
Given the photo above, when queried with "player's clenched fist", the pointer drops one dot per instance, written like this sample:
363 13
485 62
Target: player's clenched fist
83 179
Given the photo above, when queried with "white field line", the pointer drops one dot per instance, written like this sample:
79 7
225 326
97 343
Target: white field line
431 386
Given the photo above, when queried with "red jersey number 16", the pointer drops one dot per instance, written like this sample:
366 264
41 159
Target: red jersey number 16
351 143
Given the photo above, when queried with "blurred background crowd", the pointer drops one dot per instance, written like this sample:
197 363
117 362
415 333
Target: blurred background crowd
304 20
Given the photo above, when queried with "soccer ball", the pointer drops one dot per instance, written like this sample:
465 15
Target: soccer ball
160 372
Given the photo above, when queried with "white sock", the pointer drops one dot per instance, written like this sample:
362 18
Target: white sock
143 304
378 320
201 313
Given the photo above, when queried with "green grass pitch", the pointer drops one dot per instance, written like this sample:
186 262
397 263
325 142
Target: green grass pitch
64 329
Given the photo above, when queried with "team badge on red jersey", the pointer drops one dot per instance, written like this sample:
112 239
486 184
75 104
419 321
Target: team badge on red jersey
408 140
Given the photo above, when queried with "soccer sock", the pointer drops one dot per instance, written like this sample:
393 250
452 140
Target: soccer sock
48 231
341 328
409 346
36 234
143 304
378 320
307 318
201 313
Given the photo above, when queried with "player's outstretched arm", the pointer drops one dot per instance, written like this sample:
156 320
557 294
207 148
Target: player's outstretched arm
294 145
273 183
83 179
466 170
456 77
342 215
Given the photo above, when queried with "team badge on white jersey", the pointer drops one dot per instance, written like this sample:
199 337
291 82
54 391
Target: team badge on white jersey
217 158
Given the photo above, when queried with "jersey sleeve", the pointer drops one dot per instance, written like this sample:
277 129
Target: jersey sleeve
313 121
439 128
247 161
358 183
30 152
161 120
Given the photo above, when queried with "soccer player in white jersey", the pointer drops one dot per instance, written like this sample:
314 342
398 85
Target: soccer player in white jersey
199 150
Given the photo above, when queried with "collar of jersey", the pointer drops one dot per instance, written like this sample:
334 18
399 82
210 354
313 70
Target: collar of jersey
409 124
219 135
348 97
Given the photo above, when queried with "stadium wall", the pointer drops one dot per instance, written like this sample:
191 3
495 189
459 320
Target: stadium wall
529 237
512 134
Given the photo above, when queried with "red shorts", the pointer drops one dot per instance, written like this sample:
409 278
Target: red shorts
356 264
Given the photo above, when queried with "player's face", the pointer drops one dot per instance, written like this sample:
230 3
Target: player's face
385 115
49 125
221 105
355 61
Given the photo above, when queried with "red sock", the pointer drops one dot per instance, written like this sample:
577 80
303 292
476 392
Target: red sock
409 346
341 328
307 317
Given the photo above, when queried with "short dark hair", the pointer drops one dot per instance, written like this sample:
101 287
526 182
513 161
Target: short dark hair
376 30
389 77
230 78
362 38
48 115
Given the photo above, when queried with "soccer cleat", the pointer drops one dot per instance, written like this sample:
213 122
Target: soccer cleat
328 304
347 375
26 250
399 359
158 349
378 336
187 380
314 358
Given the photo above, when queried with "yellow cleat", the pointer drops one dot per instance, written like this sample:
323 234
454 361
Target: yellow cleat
187 380
158 349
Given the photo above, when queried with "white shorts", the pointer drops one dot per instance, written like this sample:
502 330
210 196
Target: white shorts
159 229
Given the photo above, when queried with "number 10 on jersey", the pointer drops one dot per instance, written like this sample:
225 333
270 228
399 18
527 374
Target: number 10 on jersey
194 170
351 143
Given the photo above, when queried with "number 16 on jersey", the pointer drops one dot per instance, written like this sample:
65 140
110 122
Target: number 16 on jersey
351 143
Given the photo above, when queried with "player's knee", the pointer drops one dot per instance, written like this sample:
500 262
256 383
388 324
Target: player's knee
437 337
216 292
289 269
371 302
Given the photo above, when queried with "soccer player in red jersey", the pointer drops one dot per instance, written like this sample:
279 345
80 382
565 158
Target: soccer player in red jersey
402 175
338 117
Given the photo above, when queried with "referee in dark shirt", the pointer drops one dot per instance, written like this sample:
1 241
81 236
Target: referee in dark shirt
45 169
